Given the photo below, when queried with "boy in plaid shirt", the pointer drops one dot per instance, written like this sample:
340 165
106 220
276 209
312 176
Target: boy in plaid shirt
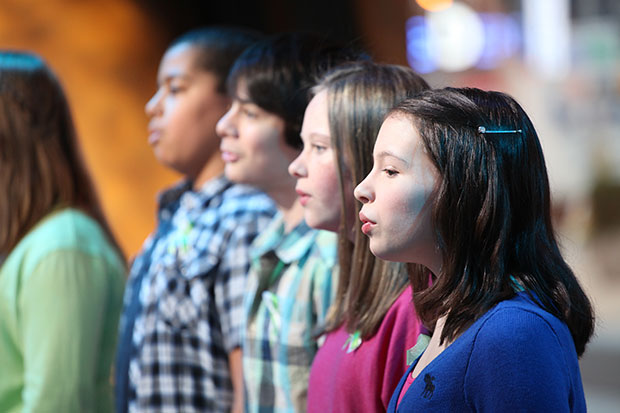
181 324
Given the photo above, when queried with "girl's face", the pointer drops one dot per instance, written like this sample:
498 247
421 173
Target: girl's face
397 196
316 170
183 112
253 145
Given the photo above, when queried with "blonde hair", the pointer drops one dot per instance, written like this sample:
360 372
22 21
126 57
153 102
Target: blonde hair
359 96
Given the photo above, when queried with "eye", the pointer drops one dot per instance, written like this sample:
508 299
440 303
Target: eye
249 113
174 89
319 148
390 172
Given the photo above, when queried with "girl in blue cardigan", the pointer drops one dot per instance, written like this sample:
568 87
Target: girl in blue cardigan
459 187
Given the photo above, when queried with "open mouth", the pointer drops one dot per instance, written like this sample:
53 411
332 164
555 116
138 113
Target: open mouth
367 224
229 157
303 197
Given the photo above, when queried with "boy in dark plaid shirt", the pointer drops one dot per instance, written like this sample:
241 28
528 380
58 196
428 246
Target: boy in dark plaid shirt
180 328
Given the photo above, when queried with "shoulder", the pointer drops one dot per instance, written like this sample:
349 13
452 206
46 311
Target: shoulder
68 231
242 199
312 249
225 208
403 307
401 319
521 321
522 349
324 247
171 194
67 228
519 336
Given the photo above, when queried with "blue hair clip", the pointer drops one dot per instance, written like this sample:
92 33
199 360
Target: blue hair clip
483 130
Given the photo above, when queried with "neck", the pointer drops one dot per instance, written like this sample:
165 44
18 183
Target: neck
293 216
433 259
288 204
212 168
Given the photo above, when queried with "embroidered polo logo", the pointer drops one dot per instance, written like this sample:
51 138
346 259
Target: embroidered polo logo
430 387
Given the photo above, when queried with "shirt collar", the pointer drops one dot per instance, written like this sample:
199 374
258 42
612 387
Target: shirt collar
182 192
288 247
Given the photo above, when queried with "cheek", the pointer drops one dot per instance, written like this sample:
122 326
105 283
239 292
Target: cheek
329 179
404 210
264 158
411 225
416 202
188 116
256 142
321 176
323 183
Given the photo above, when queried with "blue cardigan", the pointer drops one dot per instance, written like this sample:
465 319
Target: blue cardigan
517 357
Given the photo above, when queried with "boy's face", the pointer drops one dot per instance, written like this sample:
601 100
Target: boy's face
253 145
183 112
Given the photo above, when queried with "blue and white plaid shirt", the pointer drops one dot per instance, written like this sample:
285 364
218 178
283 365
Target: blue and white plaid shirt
184 299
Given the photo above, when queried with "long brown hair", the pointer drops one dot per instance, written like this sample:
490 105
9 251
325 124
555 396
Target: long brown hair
491 213
41 168
359 96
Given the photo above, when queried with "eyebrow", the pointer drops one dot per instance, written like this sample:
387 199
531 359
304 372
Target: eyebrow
243 100
319 135
169 78
385 154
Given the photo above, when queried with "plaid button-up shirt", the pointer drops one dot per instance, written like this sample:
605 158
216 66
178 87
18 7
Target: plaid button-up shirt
290 288
189 281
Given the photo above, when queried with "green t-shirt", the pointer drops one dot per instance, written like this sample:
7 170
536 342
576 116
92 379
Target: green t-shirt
61 292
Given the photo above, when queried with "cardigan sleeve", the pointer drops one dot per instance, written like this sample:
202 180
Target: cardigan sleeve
518 363
61 306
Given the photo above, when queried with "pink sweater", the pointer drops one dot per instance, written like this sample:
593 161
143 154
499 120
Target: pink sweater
364 380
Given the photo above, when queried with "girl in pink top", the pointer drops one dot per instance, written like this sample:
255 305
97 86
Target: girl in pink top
372 322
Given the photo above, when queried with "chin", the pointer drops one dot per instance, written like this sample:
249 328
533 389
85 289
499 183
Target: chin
232 174
321 224
385 254
171 165
377 252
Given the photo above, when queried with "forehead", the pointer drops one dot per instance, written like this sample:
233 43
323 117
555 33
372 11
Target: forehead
398 131
319 101
241 91
178 60
316 119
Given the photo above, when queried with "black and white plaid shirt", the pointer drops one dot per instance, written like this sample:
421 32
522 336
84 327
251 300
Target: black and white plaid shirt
183 309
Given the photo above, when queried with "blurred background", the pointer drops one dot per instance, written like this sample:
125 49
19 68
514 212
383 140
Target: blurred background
559 58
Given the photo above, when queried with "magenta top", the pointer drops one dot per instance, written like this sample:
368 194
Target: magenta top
364 379
408 382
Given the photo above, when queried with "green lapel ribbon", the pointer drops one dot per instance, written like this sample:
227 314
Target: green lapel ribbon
354 341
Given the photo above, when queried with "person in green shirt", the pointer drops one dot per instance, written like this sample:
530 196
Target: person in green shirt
61 272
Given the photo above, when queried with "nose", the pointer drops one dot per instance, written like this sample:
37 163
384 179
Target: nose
225 127
363 192
297 168
153 106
